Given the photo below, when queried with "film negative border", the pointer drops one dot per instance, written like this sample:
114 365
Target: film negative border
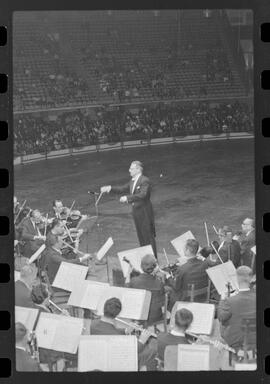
262 142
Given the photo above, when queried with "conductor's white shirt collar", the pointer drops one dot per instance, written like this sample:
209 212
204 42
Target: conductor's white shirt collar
135 180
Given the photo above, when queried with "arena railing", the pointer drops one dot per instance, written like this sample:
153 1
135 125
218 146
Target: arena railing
131 142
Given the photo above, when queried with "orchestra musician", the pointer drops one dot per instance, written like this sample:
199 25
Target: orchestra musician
183 319
247 241
107 326
138 192
233 309
24 361
31 235
149 281
229 249
23 286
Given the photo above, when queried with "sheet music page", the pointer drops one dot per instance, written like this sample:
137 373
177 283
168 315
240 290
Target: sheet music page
46 330
221 274
68 334
69 275
92 354
87 294
122 353
180 242
203 316
26 316
17 276
253 249
193 357
134 256
104 249
37 253
230 271
132 303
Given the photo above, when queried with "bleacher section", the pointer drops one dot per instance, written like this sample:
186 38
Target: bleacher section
120 57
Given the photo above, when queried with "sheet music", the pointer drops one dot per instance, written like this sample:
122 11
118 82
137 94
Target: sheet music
69 275
180 242
108 294
17 276
253 249
203 316
193 357
107 353
26 316
104 249
92 355
132 304
87 294
134 256
221 274
37 253
58 332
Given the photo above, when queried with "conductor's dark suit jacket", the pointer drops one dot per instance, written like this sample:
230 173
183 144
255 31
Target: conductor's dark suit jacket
23 295
142 209
156 287
28 231
231 311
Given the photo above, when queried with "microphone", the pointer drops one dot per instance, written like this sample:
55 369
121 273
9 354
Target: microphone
93 193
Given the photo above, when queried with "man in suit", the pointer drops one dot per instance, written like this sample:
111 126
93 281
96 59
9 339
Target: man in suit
247 241
24 361
23 286
229 249
30 233
148 281
192 272
233 309
183 319
138 192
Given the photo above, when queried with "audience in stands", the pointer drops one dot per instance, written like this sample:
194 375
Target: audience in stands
72 129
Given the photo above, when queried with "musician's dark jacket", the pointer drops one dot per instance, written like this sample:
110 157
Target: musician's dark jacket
230 251
142 209
25 363
28 231
99 327
156 287
23 295
192 272
52 260
246 243
231 311
165 339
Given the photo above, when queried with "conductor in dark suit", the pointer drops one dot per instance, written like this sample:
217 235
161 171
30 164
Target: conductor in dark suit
137 193
233 309
24 361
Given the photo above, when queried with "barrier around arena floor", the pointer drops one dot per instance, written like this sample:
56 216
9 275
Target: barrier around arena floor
25 159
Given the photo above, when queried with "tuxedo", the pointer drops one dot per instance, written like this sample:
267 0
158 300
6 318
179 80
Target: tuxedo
230 251
138 195
28 231
231 311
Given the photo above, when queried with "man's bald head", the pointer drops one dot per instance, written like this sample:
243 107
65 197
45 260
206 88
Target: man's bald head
244 276
248 225
28 273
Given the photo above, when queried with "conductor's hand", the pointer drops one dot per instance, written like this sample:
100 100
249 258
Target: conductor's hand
123 199
106 189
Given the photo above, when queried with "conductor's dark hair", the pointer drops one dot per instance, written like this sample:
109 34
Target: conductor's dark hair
192 245
39 293
183 318
112 307
20 331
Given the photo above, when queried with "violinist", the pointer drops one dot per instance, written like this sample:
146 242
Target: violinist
149 281
229 249
24 361
31 234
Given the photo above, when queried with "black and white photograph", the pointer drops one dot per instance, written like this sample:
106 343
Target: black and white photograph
134 190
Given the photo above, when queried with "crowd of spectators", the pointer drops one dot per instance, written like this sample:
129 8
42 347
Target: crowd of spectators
217 66
77 129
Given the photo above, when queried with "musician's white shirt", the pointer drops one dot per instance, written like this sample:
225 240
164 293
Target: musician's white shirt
177 333
135 179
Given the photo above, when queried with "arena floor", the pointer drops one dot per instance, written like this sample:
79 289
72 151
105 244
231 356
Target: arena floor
192 183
